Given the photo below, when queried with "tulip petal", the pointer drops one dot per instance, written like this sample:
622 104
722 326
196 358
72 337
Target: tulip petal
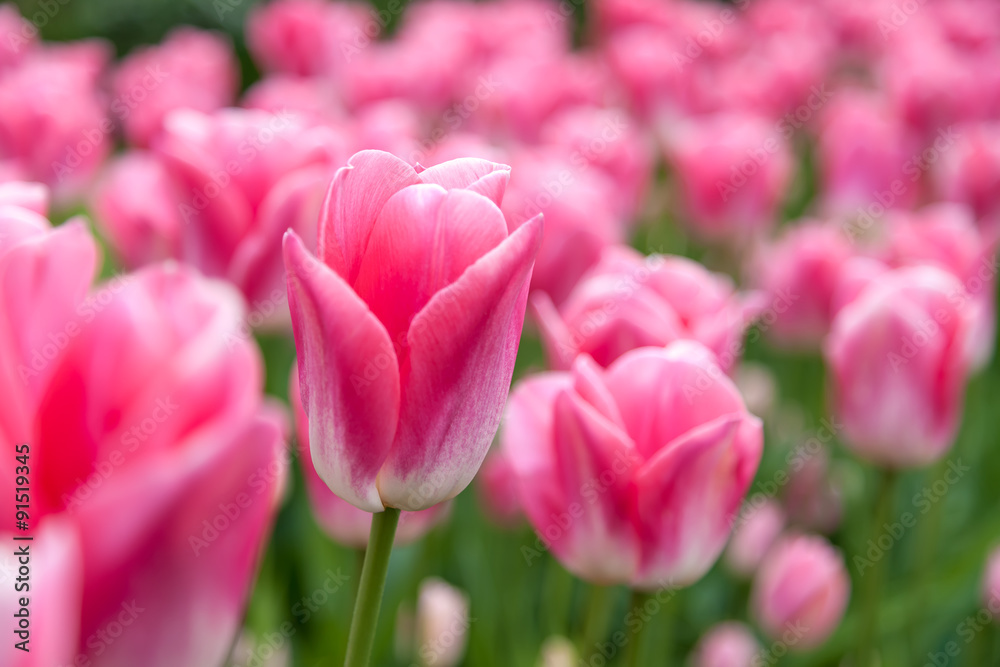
481 176
357 194
350 377
462 350
424 239
688 495
556 337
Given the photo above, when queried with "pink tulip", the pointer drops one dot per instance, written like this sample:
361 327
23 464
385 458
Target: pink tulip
17 36
732 172
307 37
341 520
799 274
312 99
190 69
991 582
729 644
648 62
627 301
135 207
442 623
969 172
755 533
864 155
800 592
64 134
408 327
899 356
582 216
240 179
632 474
161 459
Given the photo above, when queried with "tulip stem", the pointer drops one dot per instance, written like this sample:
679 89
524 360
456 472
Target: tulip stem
873 583
371 587
595 623
635 649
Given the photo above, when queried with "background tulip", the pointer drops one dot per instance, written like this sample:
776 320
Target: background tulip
442 623
800 592
392 424
755 532
600 455
729 644
899 358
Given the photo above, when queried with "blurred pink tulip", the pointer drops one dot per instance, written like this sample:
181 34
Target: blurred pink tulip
899 356
628 300
799 274
64 134
161 460
813 495
753 536
632 474
864 155
341 520
408 326
732 172
800 592
240 179
190 69
729 644
582 216
442 623
135 207
969 172
308 37
17 36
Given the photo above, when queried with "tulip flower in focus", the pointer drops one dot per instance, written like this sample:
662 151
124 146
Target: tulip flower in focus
799 274
442 624
156 472
633 474
899 357
800 592
342 521
756 531
728 644
407 326
628 300
191 69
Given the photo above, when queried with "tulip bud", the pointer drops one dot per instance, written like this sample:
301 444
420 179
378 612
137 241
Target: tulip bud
753 536
442 624
729 644
558 652
899 359
800 592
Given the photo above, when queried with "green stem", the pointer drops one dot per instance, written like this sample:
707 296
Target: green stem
871 590
373 571
635 649
595 624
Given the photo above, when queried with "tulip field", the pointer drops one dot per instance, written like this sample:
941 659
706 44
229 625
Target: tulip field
507 333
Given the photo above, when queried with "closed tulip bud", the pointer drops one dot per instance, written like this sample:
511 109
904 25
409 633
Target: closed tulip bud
558 652
407 326
627 301
729 644
753 536
442 624
899 357
633 474
800 592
